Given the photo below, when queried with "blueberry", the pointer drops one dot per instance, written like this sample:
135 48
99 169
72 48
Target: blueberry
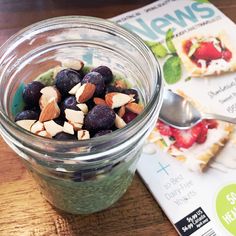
132 91
64 136
90 103
112 88
102 132
31 93
59 121
66 79
34 108
27 115
96 79
69 103
128 116
99 118
105 72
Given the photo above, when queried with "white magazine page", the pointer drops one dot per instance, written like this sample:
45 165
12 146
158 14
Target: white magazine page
193 179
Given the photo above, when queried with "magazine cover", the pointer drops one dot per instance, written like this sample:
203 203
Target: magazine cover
192 173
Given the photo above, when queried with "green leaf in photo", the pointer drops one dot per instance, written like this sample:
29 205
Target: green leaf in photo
150 43
159 50
169 42
172 70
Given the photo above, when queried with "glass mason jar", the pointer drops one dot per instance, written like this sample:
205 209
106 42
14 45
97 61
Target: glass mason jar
86 176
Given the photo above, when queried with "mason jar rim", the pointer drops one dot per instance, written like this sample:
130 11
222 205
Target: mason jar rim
156 97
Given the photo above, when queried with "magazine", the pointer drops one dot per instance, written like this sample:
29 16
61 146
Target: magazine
192 173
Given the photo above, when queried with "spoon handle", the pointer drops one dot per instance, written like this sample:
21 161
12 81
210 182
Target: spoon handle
219 117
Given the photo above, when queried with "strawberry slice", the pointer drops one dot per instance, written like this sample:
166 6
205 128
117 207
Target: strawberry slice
164 129
203 133
227 55
186 138
207 51
187 45
212 124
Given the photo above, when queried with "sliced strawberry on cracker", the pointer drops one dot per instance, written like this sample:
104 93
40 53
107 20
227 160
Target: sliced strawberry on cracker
227 55
212 124
186 138
203 132
164 129
207 51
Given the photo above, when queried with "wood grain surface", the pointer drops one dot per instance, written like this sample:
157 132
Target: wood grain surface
23 211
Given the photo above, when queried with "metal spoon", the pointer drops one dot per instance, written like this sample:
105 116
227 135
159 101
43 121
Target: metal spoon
177 112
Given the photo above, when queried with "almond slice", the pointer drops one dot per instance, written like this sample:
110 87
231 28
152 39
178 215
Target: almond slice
75 89
68 128
119 122
72 63
83 135
115 99
48 93
74 116
99 101
76 126
37 127
50 111
83 107
134 107
44 133
121 111
26 124
85 92
52 127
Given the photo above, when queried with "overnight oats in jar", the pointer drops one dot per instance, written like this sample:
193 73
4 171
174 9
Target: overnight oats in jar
79 97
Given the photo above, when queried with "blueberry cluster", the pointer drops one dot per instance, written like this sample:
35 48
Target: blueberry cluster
78 105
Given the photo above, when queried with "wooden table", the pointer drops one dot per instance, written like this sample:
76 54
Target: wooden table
22 210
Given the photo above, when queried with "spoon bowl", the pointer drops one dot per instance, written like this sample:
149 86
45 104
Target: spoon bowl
177 112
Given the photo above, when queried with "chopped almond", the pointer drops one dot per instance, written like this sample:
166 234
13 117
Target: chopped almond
83 135
52 127
115 99
26 124
119 122
68 128
74 116
99 101
50 111
134 107
85 92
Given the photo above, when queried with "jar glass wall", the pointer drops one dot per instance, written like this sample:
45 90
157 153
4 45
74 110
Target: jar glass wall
90 175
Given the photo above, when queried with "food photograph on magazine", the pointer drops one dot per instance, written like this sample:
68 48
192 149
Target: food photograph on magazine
189 160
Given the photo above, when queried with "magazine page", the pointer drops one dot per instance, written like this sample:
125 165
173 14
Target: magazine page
192 173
